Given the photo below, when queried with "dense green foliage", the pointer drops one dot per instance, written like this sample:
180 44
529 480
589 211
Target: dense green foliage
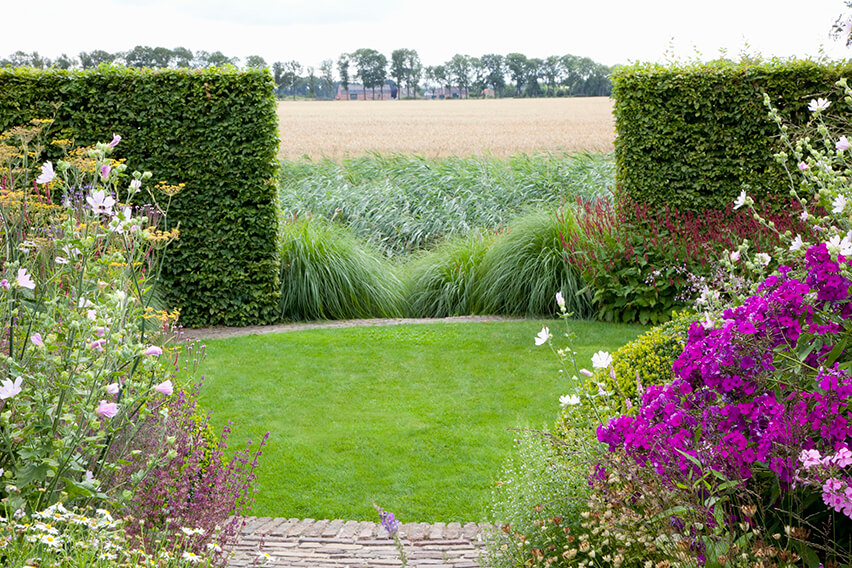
412 417
214 130
690 136
402 203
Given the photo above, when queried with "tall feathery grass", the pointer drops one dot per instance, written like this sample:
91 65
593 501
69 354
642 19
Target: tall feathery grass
402 202
328 273
524 269
445 280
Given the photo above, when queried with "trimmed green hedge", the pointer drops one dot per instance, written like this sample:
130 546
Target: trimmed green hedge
214 130
690 136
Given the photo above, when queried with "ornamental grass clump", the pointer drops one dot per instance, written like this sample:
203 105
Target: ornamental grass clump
524 268
327 273
744 457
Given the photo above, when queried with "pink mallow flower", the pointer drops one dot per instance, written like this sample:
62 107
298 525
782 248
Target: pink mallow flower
105 169
4 284
10 389
165 388
107 409
112 388
115 140
36 339
153 350
46 173
25 280
97 344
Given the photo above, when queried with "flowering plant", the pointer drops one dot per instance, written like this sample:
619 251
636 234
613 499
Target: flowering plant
82 354
761 405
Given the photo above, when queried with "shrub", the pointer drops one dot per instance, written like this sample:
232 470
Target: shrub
690 136
445 280
214 130
326 273
524 268
195 485
641 263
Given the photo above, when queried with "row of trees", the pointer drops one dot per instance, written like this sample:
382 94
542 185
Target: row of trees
514 74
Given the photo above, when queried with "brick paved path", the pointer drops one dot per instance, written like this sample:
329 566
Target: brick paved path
353 544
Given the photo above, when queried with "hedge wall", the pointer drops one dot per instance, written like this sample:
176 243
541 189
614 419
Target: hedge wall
214 130
690 136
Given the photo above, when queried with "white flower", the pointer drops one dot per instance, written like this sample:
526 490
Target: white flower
763 258
803 216
569 400
804 167
10 389
191 557
735 256
560 301
100 202
741 200
797 243
601 360
818 104
836 245
213 547
61 260
842 144
135 184
46 173
542 336
839 204
25 280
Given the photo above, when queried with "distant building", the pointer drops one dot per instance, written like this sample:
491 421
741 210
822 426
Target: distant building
357 92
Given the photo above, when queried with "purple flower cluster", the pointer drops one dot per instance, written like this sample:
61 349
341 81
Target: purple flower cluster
755 391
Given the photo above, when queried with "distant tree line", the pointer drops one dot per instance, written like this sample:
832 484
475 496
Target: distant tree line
511 75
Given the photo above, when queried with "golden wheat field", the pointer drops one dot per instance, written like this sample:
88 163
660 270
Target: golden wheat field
440 128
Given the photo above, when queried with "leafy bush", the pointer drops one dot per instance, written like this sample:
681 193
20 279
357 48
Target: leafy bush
445 280
214 130
524 268
402 203
326 273
691 135
642 263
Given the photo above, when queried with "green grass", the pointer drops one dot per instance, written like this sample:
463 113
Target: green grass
403 202
411 417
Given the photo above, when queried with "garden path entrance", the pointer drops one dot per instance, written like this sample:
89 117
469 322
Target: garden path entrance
307 543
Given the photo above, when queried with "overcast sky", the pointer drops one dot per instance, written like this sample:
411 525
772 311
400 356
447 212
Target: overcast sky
608 31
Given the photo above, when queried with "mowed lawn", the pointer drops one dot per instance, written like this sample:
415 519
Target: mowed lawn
411 417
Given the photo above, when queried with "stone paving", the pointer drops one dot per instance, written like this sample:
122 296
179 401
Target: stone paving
354 544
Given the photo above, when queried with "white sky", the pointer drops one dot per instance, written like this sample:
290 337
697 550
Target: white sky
608 31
